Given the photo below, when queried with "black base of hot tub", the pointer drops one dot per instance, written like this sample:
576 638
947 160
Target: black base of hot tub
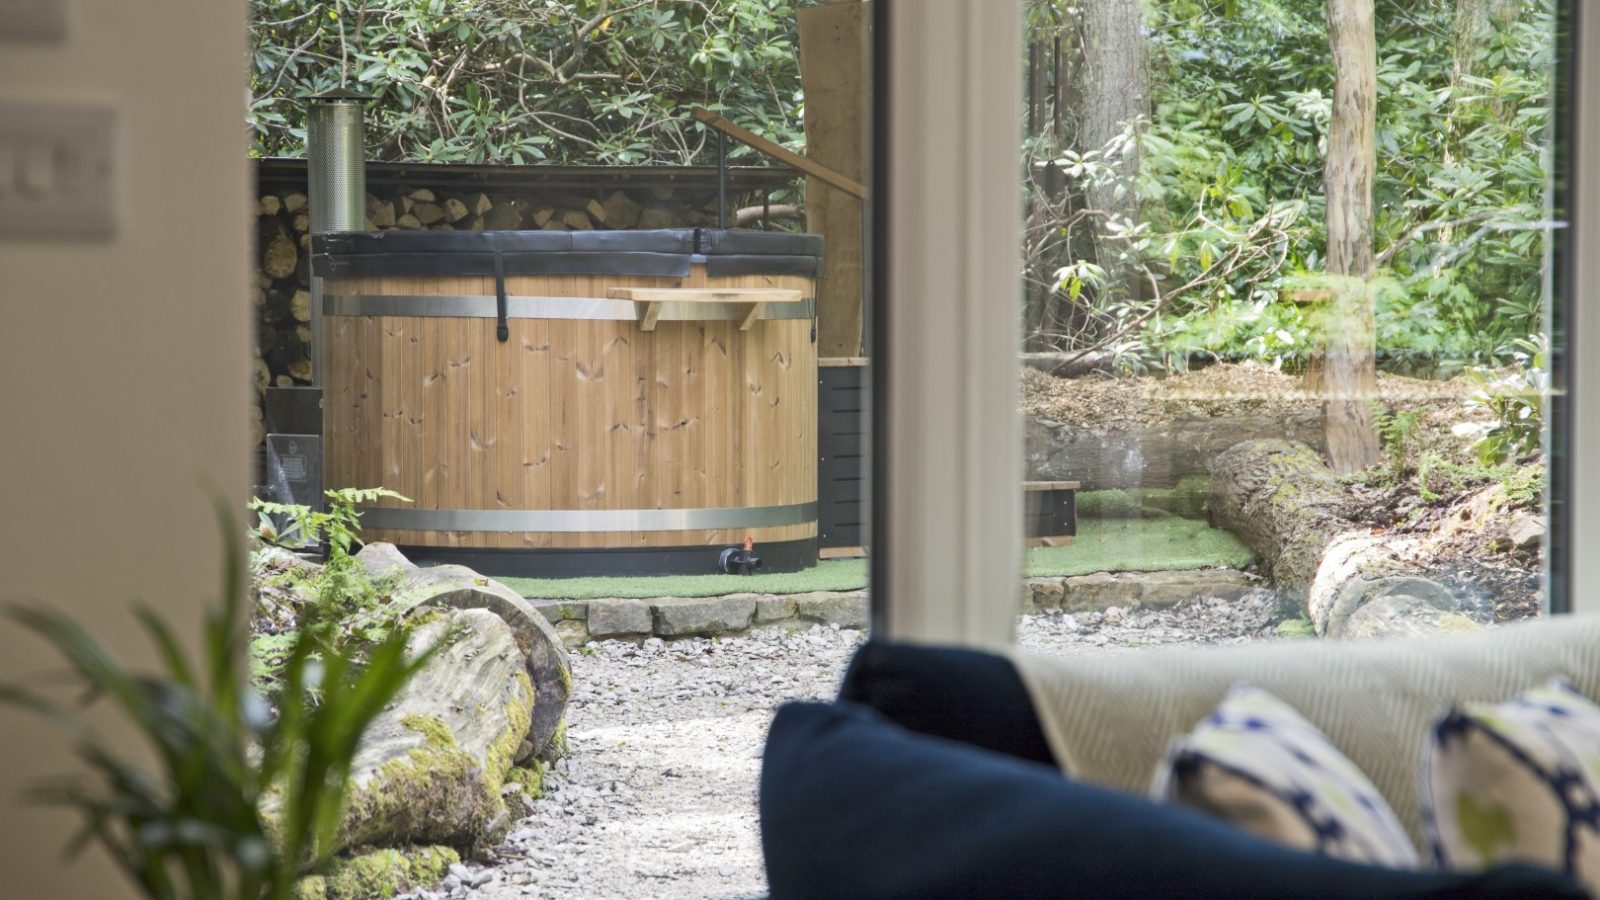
784 556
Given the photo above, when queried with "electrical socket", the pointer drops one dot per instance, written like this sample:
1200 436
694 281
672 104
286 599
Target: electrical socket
57 171
33 20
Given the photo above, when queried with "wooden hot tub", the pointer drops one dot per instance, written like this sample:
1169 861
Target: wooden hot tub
576 403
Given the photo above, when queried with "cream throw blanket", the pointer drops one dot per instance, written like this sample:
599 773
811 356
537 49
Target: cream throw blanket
1109 718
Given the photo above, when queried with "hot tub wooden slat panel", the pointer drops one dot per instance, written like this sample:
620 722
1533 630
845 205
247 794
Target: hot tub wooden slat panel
534 374
694 415
536 540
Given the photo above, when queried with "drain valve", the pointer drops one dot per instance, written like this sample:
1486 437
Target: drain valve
740 560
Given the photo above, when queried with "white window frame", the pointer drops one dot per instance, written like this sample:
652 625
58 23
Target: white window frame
1583 501
947 541
947 537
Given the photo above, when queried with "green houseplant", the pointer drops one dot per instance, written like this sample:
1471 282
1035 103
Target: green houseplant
190 825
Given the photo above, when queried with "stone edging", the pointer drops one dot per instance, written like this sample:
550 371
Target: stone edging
1151 590
581 621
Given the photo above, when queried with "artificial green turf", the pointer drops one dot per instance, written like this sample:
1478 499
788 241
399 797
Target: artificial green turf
1157 544
1119 545
828 575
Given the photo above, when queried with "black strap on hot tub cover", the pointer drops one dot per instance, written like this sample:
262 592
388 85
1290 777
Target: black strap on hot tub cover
666 253
501 330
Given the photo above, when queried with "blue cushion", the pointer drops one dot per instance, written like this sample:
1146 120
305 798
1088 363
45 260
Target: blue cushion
965 695
853 806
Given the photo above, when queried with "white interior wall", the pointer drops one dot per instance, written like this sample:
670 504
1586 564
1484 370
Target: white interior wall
123 373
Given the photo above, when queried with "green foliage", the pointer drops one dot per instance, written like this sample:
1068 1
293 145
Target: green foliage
193 822
1296 628
1397 432
1230 182
361 615
1515 399
511 81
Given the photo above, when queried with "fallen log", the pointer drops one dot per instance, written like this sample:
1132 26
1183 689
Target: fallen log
1284 503
458 587
430 768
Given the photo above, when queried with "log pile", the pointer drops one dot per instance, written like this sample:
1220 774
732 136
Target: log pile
282 290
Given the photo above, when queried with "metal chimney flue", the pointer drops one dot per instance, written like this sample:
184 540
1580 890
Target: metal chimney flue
337 169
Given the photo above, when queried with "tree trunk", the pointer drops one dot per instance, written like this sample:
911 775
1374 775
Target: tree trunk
1112 94
1349 371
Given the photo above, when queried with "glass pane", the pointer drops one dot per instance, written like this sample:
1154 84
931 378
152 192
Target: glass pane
593 324
1284 318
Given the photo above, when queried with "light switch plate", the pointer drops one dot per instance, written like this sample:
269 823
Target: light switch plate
33 20
57 171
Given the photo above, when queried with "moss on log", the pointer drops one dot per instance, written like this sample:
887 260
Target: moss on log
1280 499
430 769
1285 504
458 587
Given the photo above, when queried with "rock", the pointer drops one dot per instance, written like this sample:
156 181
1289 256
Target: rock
1526 532
1098 591
430 767
1046 593
461 588
676 617
383 560
619 618
1401 614
851 610
774 609
561 610
1163 589
574 633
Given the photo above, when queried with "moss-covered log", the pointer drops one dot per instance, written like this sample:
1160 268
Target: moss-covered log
1283 502
431 767
458 587
379 873
1280 499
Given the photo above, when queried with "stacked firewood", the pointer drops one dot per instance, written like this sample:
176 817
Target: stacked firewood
283 273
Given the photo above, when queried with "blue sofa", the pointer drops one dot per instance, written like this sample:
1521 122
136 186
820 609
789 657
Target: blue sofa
931 777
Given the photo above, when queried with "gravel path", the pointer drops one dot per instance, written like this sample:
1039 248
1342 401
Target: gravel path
657 798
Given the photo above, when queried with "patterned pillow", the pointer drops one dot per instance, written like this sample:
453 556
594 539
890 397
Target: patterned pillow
1519 780
1259 765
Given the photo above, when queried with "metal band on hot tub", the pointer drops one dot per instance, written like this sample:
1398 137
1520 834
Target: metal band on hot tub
482 307
587 519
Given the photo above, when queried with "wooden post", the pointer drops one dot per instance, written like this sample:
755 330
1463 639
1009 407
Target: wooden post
1349 373
833 71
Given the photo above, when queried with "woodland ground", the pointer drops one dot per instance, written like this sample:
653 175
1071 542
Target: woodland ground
1431 484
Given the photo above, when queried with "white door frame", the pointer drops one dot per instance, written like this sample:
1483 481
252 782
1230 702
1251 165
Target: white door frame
947 549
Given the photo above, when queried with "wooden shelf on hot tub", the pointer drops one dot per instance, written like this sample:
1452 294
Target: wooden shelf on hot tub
651 298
